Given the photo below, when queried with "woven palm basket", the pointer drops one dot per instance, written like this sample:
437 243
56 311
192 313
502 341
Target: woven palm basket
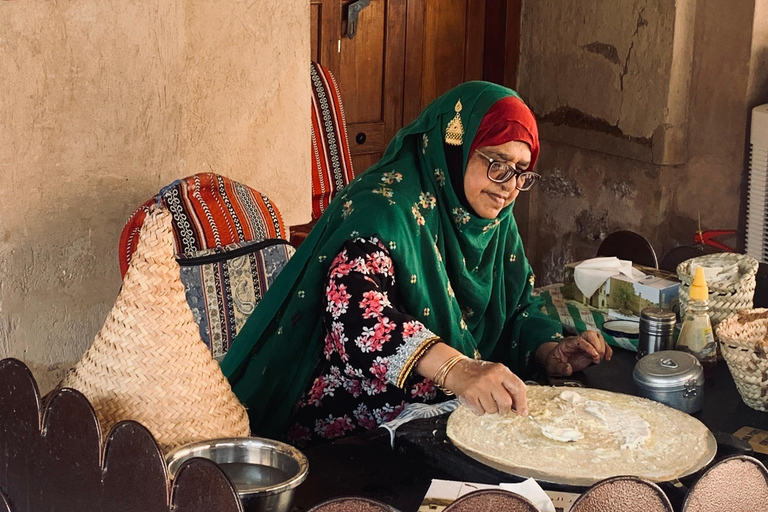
148 362
724 299
744 344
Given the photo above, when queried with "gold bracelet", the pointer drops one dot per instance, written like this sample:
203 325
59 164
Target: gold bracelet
442 373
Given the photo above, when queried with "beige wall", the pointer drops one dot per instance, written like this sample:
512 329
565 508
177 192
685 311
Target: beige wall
588 194
103 102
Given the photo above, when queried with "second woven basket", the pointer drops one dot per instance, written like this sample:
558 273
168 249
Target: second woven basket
148 362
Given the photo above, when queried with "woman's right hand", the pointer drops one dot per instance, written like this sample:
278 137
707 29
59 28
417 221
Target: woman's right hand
487 387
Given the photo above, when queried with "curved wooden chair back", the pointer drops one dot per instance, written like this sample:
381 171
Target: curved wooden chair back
57 463
628 245
625 493
738 483
491 500
679 254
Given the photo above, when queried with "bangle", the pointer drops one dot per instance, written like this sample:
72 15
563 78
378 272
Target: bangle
442 372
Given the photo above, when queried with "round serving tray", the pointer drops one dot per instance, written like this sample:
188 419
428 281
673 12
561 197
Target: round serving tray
585 479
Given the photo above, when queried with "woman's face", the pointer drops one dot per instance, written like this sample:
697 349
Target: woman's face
486 197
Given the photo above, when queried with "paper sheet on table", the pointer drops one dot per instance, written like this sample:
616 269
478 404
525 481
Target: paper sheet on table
443 492
530 489
589 275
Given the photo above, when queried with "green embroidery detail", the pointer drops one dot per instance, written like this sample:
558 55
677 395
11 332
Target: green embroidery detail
348 208
460 216
391 177
417 215
440 177
427 200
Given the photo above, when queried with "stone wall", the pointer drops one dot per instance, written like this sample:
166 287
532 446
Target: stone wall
106 101
587 194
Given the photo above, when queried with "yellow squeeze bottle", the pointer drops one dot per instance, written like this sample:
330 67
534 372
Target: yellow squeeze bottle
696 335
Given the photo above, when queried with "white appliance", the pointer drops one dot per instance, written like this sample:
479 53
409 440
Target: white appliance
757 192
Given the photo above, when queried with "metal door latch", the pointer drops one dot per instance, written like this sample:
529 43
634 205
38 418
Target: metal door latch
353 11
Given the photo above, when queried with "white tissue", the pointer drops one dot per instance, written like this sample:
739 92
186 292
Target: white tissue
530 489
589 275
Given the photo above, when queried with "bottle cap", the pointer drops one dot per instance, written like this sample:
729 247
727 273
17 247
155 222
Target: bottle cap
699 288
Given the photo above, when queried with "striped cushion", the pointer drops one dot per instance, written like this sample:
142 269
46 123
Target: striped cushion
230 243
330 145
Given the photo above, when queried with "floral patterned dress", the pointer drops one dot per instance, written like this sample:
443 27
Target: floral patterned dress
371 347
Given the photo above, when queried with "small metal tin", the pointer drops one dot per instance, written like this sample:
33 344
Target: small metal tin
657 331
673 378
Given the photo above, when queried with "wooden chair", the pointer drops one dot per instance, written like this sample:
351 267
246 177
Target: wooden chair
59 466
331 159
628 245
679 254
624 493
352 504
491 500
735 484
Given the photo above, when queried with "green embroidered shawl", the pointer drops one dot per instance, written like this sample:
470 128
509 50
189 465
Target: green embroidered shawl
464 277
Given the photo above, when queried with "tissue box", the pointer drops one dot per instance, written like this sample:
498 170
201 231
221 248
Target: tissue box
622 298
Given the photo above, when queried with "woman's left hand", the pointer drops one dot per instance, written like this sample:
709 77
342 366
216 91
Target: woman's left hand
574 353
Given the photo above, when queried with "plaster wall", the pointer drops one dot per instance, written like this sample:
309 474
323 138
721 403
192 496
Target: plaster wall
616 56
585 194
104 102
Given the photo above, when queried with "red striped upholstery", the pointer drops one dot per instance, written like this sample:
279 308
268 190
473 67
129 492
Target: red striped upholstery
332 165
209 211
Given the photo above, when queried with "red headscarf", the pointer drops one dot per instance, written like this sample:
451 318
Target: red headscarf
508 119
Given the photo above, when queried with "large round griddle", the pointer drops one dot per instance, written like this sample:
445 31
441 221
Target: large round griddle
584 479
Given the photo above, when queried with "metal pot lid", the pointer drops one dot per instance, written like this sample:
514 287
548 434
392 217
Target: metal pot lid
658 315
668 369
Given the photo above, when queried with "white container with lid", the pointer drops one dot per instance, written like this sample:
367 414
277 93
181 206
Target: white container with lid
673 378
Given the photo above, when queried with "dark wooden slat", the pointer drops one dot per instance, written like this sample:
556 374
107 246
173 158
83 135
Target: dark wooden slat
445 27
512 43
135 475
414 48
375 138
315 29
363 162
201 486
474 40
19 431
329 36
394 67
69 465
494 56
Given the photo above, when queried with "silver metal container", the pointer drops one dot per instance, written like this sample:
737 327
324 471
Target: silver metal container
657 329
673 378
265 472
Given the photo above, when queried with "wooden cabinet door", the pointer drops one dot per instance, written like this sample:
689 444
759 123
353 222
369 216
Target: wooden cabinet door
407 53
369 70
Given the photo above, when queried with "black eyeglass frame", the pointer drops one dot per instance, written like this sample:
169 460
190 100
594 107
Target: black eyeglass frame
510 171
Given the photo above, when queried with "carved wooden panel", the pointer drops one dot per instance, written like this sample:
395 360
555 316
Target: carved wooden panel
60 467
19 431
201 486
135 474
68 461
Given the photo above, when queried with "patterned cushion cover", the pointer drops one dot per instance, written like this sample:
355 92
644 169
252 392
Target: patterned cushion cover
330 146
230 244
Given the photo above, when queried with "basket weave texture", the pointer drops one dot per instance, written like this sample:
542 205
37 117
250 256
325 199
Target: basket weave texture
148 362
744 344
724 299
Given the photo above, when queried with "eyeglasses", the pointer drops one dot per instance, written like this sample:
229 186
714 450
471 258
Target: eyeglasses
499 172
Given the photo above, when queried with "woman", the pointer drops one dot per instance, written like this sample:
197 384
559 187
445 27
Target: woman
415 277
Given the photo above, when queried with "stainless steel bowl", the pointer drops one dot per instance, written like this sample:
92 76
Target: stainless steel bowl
265 472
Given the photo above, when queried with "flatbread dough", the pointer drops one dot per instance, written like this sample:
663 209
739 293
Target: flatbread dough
582 436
